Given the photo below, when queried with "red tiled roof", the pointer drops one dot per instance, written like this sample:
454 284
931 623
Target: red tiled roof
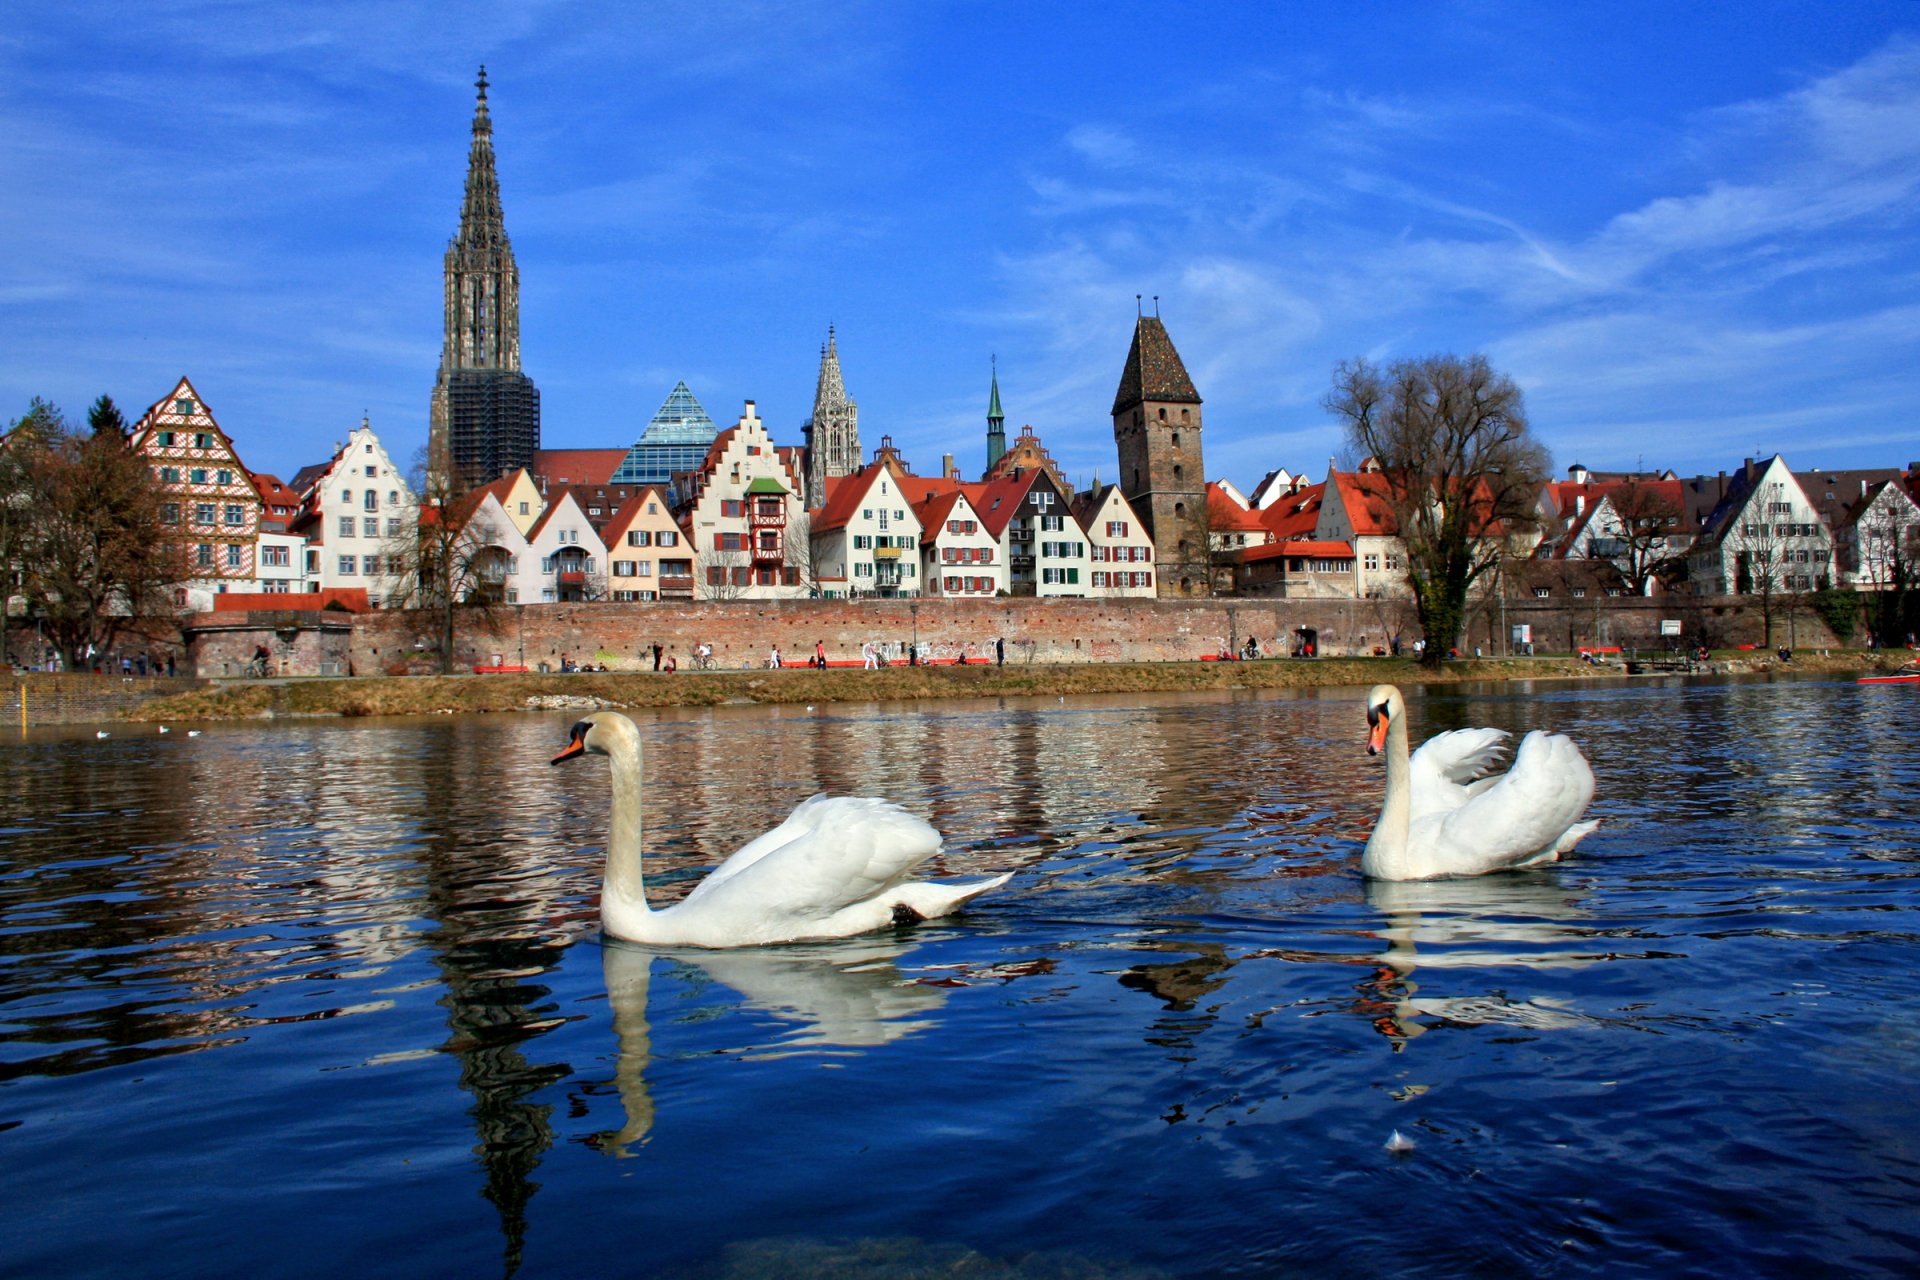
352 599
576 466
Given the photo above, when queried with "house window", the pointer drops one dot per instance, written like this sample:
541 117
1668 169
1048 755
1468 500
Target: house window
1541 593
523 508
638 538
183 405
198 475
666 538
346 526
223 476
1050 524
372 500
370 527
393 527
169 475
1116 528
235 513
203 513
732 508
169 513
513 595
1579 593
348 566
203 555
233 555
202 440
164 439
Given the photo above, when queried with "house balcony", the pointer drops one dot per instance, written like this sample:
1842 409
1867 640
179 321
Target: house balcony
886 553
572 577
676 588
772 515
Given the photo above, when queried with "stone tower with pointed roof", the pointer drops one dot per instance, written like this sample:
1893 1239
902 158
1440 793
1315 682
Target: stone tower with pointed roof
833 432
1156 426
485 418
996 424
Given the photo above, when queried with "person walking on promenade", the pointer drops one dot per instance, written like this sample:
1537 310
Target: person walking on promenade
820 654
773 659
870 661
999 651
656 655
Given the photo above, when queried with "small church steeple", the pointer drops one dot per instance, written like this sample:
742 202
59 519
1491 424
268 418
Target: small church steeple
996 421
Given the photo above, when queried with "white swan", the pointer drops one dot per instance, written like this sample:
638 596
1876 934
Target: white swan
835 867
1442 817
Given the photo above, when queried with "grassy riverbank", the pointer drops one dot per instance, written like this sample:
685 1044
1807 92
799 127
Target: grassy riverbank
428 695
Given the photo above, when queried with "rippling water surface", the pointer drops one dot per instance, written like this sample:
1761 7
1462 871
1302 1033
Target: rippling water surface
322 998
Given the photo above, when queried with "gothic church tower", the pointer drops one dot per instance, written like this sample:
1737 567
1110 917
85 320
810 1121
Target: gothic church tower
485 418
1156 425
833 432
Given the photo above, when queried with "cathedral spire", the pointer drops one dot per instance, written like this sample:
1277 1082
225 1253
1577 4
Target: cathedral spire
485 416
833 432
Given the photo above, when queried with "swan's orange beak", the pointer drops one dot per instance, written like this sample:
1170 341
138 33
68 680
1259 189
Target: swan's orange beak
1376 730
576 746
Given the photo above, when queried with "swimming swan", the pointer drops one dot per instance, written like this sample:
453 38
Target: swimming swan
1442 817
835 867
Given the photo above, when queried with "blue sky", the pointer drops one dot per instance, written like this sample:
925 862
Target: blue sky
1691 232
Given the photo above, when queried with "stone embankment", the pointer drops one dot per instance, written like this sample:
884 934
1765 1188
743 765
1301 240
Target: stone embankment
443 695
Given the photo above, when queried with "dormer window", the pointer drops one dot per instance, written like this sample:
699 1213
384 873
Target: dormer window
184 404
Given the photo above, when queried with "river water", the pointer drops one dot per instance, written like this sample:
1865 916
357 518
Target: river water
330 998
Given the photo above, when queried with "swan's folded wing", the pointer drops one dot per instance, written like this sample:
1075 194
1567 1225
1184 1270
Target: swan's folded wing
1524 813
849 849
803 819
1444 766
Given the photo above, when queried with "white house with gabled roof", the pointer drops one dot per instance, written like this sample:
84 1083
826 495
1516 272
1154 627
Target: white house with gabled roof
565 560
958 557
359 519
867 534
1118 547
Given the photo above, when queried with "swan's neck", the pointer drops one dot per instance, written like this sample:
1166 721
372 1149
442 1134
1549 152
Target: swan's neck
624 882
1386 852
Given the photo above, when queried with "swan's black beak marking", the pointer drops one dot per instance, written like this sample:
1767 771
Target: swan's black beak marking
1376 728
576 744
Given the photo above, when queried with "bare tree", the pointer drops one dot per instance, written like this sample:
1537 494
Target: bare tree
88 540
1648 518
727 577
1459 467
451 566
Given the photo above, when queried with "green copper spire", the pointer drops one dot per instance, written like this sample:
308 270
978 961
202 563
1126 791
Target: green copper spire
996 421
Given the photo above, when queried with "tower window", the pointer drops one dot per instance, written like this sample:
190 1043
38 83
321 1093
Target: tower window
1176 470
1176 439
1163 415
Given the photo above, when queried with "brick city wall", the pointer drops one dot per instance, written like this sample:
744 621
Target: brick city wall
742 632
301 642
81 698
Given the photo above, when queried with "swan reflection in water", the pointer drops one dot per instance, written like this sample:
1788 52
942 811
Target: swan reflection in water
832 995
1513 921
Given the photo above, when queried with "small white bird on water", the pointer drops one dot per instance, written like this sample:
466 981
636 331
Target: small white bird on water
1399 1144
101 733
193 733
164 729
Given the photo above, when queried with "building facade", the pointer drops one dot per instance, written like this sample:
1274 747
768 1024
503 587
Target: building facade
206 493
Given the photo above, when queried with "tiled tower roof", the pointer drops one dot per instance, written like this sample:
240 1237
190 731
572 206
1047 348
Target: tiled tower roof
1154 371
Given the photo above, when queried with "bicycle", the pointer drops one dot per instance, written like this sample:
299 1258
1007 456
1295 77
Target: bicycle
703 659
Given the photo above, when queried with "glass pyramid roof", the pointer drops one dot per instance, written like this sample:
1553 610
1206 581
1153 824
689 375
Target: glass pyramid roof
681 420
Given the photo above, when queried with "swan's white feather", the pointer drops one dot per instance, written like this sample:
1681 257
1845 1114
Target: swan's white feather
1458 823
836 866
